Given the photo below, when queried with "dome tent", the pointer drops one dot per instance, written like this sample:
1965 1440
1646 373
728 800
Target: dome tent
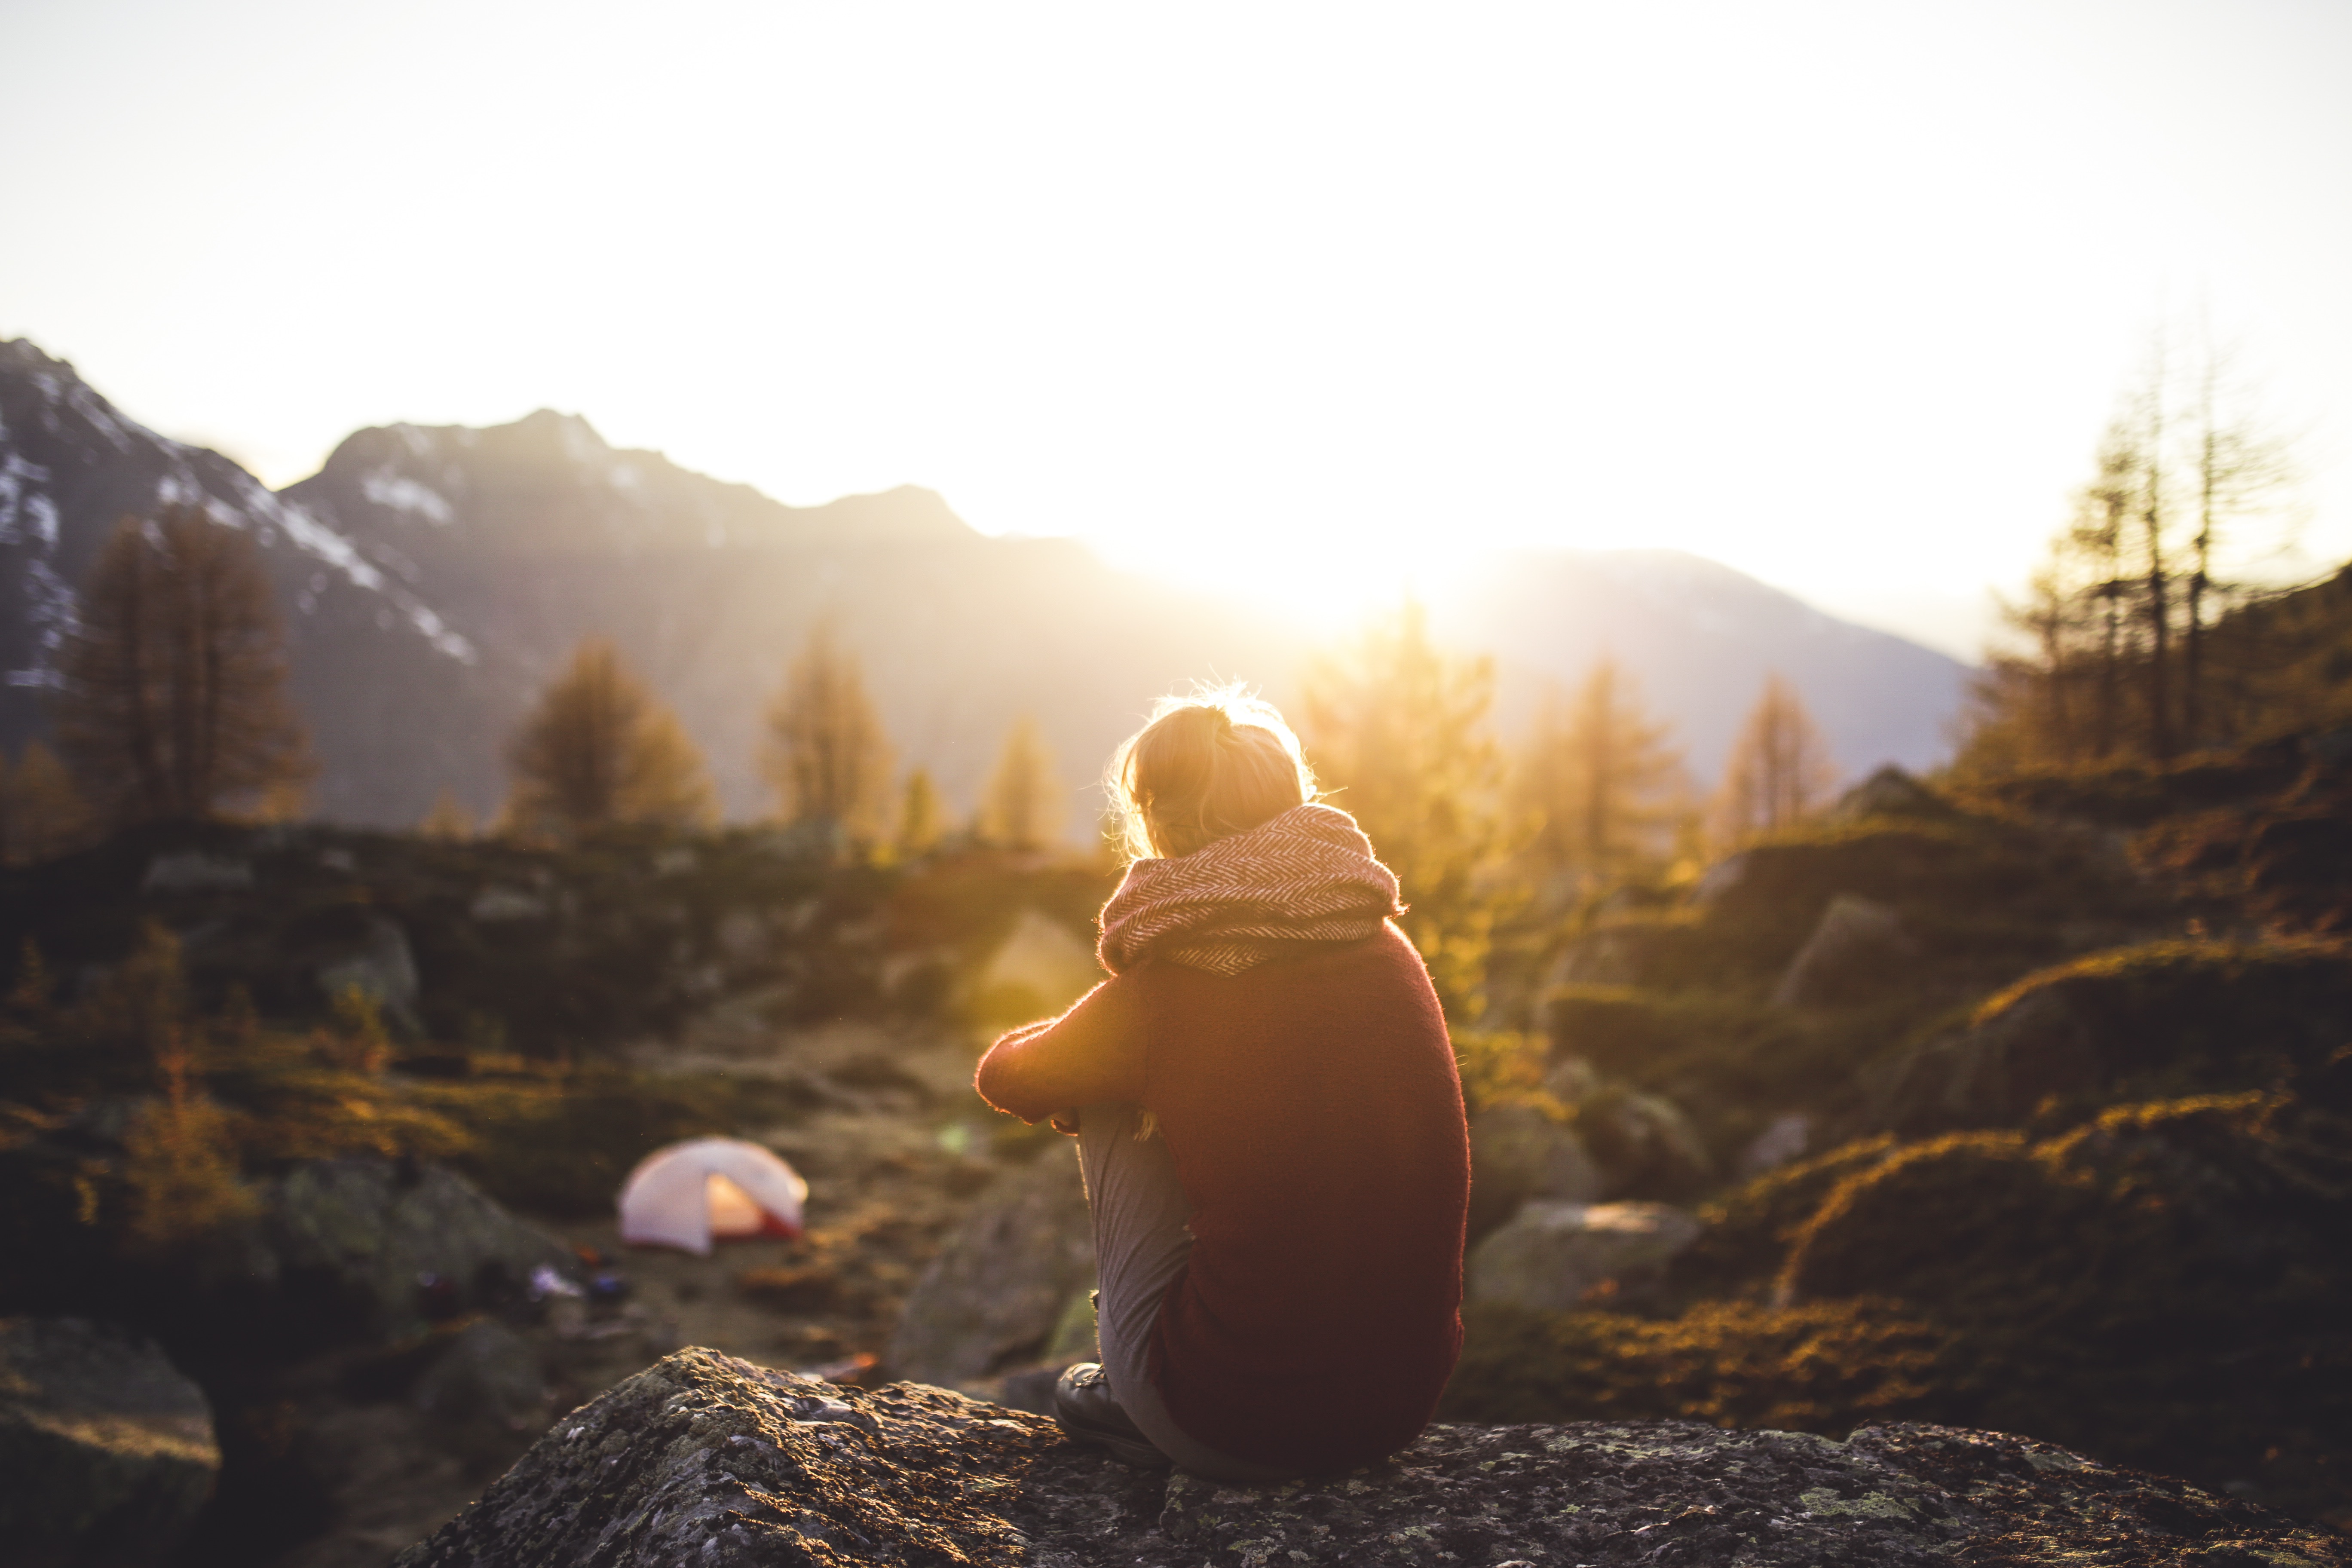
686 1194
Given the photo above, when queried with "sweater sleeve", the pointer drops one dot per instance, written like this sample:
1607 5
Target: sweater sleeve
1090 1054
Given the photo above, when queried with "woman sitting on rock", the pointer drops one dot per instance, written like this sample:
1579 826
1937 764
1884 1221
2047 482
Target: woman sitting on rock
1269 1119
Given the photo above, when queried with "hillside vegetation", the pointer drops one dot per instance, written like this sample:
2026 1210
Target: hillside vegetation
2064 1063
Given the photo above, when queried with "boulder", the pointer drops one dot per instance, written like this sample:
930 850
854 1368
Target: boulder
386 1244
494 904
1785 1138
1518 1152
1995 1069
708 1460
1644 1145
193 871
379 965
106 1453
1553 1255
1001 1286
1718 879
489 1376
2148 1022
1890 792
1854 944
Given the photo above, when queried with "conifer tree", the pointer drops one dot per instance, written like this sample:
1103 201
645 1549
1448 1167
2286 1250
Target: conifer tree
1779 771
601 750
174 698
2112 653
1022 805
41 813
1397 731
1595 778
920 819
448 820
824 751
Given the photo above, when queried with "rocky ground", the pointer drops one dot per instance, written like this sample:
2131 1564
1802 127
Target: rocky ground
890 1164
713 1461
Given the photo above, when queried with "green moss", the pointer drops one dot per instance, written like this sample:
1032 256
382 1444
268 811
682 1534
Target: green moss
1825 1367
1749 1229
2171 1018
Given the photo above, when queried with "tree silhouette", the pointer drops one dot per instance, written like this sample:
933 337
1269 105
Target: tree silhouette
600 751
824 751
1022 805
2114 652
174 698
1595 776
1779 769
1397 731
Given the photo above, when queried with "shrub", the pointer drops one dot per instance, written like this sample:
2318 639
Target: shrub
2164 1287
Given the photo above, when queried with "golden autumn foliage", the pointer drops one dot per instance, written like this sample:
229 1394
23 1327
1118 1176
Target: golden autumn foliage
823 751
174 704
600 751
1779 771
1023 803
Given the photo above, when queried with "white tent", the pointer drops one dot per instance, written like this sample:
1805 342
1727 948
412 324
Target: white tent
688 1194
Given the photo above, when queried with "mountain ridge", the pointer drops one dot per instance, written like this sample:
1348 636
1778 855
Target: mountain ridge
434 578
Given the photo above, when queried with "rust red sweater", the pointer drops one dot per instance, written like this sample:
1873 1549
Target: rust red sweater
1315 1115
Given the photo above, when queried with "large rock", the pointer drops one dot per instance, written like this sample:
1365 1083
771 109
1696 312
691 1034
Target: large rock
489 1376
996 1292
1518 1152
1552 1255
382 1241
106 1452
379 965
1854 946
707 1461
1996 1069
1644 1145
1890 791
2150 1022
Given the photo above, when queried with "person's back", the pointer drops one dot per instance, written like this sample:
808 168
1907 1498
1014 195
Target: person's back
1281 1251
1314 1117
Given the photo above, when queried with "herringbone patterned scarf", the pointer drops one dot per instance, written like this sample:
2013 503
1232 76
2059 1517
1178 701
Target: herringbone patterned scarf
1308 875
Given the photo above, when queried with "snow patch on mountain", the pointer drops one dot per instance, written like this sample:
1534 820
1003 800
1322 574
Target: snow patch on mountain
402 493
53 610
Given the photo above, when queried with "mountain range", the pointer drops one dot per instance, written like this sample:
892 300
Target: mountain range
433 578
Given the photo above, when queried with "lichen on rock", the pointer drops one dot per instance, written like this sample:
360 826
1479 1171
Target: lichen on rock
708 1461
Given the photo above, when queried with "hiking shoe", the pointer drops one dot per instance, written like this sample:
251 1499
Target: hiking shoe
1084 1405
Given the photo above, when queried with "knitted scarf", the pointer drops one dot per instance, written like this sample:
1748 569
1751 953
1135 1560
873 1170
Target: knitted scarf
1308 875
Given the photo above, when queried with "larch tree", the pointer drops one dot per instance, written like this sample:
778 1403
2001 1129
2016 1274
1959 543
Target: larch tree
1596 779
2113 655
1779 771
922 820
41 813
1397 731
1022 805
448 821
600 751
172 704
824 750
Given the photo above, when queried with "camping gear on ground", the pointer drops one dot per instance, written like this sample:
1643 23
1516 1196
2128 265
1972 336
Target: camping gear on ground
689 1194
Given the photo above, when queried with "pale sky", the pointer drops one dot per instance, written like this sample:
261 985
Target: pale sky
1315 297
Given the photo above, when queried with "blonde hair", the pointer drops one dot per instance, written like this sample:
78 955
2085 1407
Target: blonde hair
1218 762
